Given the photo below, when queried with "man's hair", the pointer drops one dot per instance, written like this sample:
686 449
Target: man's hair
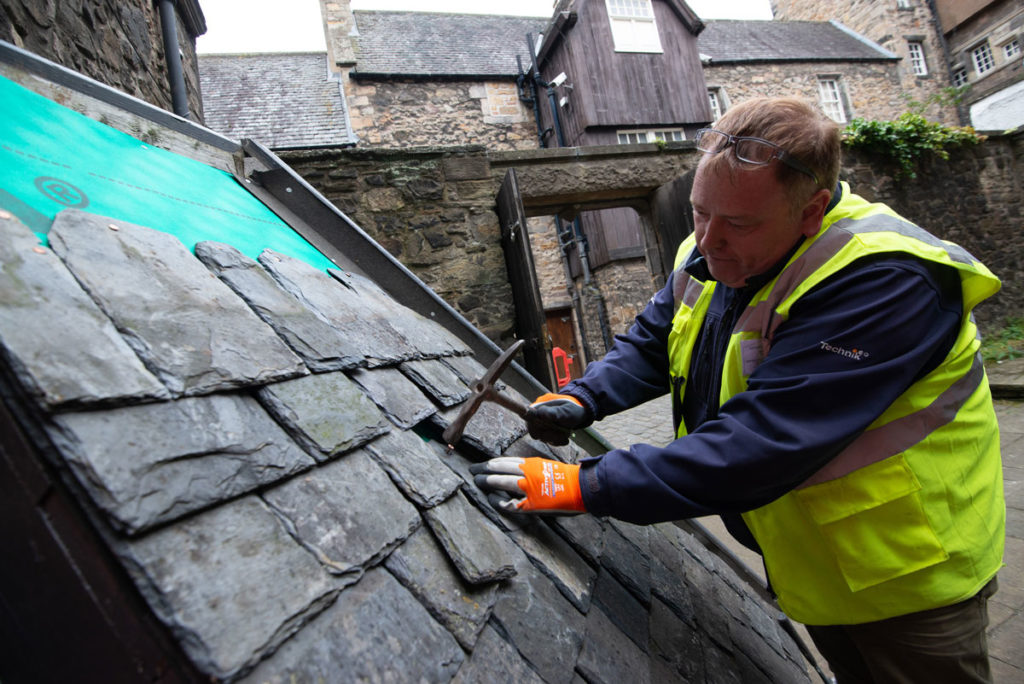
797 126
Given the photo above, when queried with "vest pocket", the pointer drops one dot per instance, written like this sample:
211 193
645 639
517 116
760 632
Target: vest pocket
874 523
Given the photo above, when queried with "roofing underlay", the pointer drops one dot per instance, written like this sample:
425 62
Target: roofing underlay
256 443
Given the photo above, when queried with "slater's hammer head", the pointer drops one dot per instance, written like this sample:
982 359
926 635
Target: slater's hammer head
484 390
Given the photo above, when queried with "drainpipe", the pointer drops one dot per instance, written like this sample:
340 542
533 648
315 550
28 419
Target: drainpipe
169 26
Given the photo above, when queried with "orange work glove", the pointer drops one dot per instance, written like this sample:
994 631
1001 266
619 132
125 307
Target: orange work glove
530 485
553 417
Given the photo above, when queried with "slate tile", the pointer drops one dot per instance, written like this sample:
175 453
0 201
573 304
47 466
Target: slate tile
437 380
351 313
188 327
491 429
402 402
460 465
423 568
376 631
467 368
556 559
625 560
327 413
347 513
669 568
320 345
495 660
415 466
608 657
154 463
758 635
585 533
480 550
676 648
230 583
88 361
541 623
622 608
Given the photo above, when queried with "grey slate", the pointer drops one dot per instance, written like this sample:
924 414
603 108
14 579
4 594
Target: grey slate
416 467
495 660
348 513
204 338
441 44
437 380
733 41
402 401
326 412
491 430
376 631
608 657
231 583
554 557
72 355
320 345
424 569
281 100
480 551
154 463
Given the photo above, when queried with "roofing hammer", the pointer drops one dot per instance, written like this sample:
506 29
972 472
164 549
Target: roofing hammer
484 390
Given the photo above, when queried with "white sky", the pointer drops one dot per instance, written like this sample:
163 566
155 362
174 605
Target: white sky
295 25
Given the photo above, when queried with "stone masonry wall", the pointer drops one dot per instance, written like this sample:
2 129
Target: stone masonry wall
892 28
410 113
117 43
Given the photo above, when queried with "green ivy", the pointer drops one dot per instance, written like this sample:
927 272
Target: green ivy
1004 344
906 139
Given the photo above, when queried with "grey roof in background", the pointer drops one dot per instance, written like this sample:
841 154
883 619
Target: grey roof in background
781 41
438 44
282 100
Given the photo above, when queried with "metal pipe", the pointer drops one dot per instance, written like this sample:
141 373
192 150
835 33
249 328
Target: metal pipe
175 74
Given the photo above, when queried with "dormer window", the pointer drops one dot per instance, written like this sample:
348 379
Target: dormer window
633 27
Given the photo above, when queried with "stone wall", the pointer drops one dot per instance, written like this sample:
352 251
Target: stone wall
117 43
892 28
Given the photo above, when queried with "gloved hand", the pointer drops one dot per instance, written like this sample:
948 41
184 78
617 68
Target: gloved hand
553 417
536 485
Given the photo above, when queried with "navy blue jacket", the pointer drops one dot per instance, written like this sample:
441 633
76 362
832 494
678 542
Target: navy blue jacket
803 404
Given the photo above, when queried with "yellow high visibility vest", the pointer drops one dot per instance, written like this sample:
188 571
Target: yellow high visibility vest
908 517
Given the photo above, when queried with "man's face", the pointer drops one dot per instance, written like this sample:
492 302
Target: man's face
744 220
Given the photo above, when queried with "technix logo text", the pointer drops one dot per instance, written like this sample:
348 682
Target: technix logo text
855 354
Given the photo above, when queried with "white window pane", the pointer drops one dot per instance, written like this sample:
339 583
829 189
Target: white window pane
982 57
917 63
831 101
1011 49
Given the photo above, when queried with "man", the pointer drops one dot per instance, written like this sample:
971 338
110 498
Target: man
829 400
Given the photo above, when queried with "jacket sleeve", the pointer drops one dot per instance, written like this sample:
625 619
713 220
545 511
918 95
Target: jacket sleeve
803 404
635 369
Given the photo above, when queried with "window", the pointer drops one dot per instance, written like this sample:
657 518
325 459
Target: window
1011 49
639 137
904 4
982 58
917 63
633 27
831 99
716 104
960 77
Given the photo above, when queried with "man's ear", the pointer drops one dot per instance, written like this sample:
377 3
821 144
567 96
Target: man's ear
813 212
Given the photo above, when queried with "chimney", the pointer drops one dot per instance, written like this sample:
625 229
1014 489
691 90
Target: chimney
340 32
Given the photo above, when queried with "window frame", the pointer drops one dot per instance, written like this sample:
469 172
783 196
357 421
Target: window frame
650 135
918 63
987 59
838 104
633 32
960 77
716 104
1011 49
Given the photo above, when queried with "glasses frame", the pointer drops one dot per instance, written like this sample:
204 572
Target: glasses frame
778 153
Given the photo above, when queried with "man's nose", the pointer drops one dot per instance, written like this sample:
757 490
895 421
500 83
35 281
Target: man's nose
712 235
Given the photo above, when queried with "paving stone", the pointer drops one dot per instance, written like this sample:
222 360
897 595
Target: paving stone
154 463
541 623
401 400
351 313
480 550
622 608
423 568
204 338
556 559
495 660
327 413
437 380
415 466
320 345
608 657
88 361
230 583
376 631
347 513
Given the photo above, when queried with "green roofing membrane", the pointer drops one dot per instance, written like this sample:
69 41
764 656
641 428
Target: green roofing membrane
52 158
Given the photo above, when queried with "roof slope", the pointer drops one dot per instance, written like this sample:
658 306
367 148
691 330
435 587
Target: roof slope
282 100
782 41
438 44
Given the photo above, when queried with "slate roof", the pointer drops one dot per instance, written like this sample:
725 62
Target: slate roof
283 100
729 41
424 44
256 442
